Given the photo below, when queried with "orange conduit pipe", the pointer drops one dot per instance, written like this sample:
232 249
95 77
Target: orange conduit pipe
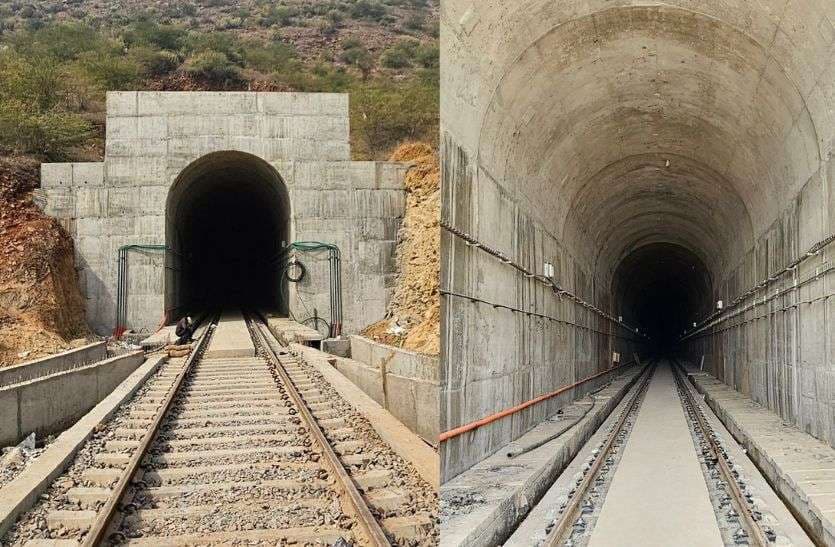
460 430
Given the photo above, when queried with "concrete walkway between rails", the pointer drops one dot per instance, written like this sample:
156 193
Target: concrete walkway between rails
658 495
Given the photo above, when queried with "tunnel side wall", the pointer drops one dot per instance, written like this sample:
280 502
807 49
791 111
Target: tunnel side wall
153 136
493 55
493 358
777 345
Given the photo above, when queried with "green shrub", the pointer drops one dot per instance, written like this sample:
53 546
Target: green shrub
278 15
414 22
154 62
384 114
147 32
49 133
396 58
212 65
428 56
65 41
111 72
364 9
355 53
268 58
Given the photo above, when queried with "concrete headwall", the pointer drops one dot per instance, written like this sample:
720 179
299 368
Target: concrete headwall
153 136
403 382
54 363
49 404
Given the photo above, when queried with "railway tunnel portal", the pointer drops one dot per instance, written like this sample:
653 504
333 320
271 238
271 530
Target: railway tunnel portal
656 159
227 231
200 192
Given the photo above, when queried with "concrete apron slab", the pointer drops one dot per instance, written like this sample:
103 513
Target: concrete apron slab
406 444
485 504
20 495
793 462
231 338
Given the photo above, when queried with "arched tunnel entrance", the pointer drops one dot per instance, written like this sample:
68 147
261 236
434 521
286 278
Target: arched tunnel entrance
227 221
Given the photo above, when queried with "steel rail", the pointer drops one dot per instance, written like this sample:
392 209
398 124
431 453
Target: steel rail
755 533
373 532
104 517
569 515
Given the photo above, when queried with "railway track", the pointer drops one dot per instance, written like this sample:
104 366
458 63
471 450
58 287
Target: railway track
586 497
235 450
741 515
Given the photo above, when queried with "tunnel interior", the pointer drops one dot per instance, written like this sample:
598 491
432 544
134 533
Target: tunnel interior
655 143
663 289
227 223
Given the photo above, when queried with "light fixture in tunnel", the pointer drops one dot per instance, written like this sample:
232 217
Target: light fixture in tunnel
719 304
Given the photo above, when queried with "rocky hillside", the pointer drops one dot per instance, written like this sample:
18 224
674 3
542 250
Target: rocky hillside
316 28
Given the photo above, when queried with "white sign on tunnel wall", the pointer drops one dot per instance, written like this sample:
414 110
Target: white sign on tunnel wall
615 357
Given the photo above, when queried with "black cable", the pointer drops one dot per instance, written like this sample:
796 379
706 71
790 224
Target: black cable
302 272
534 446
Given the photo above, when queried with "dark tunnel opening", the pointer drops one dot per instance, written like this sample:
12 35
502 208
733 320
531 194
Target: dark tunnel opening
228 220
662 289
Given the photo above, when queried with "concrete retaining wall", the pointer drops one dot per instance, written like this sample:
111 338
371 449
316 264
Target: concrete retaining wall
50 404
403 382
54 363
153 136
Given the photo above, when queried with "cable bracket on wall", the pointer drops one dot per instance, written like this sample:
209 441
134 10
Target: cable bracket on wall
471 241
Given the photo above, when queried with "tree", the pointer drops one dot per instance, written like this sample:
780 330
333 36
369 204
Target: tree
355 53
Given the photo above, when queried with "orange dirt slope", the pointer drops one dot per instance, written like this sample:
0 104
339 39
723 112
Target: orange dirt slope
413 317
41 307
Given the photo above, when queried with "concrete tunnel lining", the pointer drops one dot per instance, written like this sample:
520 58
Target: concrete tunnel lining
227 219
620 140
648 124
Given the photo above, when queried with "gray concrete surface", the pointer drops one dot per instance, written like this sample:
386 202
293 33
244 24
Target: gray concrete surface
156 139
485 504
404 382
231 338
799 467
658 496
84 355
623 142
21 494
775 513
49 404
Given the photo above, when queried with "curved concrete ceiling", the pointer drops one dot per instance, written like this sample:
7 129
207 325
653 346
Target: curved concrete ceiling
580 105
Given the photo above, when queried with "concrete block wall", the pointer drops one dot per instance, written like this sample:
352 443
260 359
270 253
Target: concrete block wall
45 366
404 382
51 403
778 345
152 136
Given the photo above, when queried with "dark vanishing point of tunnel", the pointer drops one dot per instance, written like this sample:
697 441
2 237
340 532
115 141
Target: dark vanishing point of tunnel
662 288
227 222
